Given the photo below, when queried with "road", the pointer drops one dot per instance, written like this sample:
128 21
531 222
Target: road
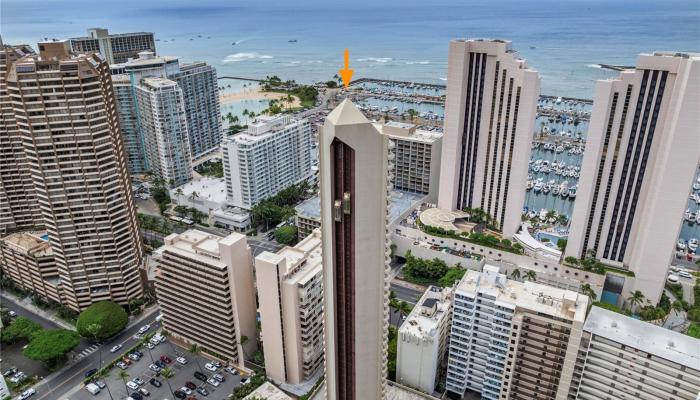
71 375
405 293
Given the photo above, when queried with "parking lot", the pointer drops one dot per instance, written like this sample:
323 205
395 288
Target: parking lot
181 375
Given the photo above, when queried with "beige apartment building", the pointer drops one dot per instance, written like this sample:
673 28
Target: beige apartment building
27 258
290 294
17 200
114 48
513 340
65 114
642 150
354 169
489 123
206 295
628 359
416 158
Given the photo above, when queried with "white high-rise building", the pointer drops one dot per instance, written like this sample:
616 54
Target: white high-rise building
272 154
74 152
627 359
513 340
642 151
423 339
290 294
114 48
199 94
354 163
163 125
489 123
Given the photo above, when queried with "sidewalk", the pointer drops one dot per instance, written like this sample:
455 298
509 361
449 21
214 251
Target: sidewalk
27 303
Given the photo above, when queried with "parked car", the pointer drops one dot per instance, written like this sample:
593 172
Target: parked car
121 365
187 390
138 381
18 377
132 385
154 368
200 376
190 385
161 364
144 392
155 382
245 381
11 371
684 274
92 388
201 390
100 384
231 370
126 360
134 356
12 313
218 377
166 359
213 382
138 353
181 360
179 394
150 346
217 364
136 396
115 348
88 373
210 367
27 394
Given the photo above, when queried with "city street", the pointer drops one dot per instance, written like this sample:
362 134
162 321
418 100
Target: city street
72 374
406 293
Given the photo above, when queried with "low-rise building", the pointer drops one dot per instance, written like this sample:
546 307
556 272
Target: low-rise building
272 154
206 295
206 194
290 293
267 391
423 339
511 339
625 358
416 158
232 218
27 259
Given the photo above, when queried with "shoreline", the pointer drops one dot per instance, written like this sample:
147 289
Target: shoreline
255 94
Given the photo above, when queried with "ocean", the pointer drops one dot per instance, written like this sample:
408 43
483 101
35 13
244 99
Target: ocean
403 40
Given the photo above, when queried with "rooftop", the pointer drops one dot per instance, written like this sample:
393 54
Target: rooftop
265 126
423 321
400 203
525 295
302 259
267 391
208 188
656 340
35 243
407 131
196 242
158 82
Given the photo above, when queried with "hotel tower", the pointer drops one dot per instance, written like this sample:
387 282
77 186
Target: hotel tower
641 155
65 114
354 185
489 122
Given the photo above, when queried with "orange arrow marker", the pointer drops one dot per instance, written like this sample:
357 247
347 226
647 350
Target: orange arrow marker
346 73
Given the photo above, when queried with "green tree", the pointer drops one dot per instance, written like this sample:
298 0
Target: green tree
588 291
453 275
108 315
124 377
195 350
531 275
21 328
331 84
561 244
412 113
571 260
51 346
286 234
515 274
636 299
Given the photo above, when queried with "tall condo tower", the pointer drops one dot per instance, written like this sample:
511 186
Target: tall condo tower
641 155
67 121
489 122
354 163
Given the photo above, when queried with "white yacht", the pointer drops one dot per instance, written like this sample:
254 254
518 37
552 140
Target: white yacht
538 186
681 244
692 244
572 192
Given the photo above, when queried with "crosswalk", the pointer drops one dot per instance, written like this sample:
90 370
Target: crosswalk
86 352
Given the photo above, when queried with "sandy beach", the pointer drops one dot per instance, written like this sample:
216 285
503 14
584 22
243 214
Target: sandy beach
255 94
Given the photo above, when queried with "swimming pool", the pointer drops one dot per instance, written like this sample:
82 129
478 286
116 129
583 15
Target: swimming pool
45 237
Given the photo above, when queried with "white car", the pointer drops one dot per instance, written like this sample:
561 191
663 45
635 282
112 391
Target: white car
144 329
154 368
27 394
12 314
218 377
181 360
244 381
211 367
213 382
18 377
231 370
115 348
684 274
132 385
187 390
150 346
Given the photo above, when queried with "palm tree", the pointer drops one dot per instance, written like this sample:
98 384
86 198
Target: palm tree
404 308
124 375
193 196
412 113
636 298
195 350
178 193
531 275
101 374
515 274
588 291
677 306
